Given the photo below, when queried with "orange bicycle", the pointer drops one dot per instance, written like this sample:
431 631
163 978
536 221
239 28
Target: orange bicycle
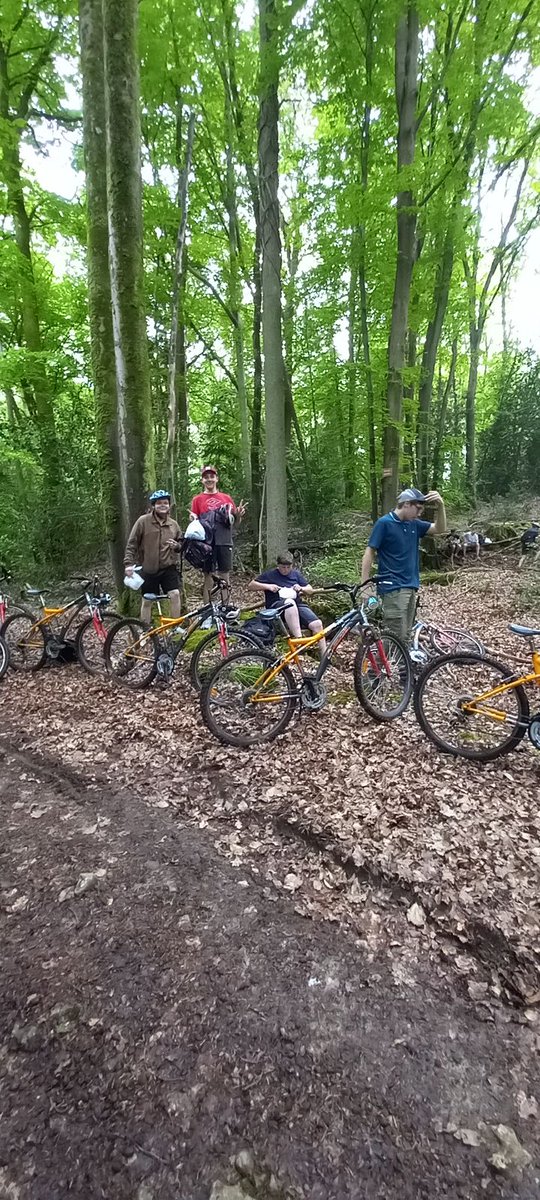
476 707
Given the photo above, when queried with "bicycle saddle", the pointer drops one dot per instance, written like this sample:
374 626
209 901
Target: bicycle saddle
524 630
153 596
276 610
28 591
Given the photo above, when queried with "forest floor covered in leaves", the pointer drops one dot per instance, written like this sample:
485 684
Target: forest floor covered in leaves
327 951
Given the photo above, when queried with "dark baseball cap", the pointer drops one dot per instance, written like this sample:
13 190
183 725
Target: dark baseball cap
411 496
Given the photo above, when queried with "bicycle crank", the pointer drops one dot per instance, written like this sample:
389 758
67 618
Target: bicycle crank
313 695
54 647
165 666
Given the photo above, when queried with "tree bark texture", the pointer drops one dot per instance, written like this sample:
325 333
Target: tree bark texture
178 416
37 382
274 373
99 287
406 71
124 198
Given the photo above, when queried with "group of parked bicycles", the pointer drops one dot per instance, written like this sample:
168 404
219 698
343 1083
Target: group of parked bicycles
466 702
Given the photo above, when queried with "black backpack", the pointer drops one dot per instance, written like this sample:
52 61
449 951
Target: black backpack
261 629
198 554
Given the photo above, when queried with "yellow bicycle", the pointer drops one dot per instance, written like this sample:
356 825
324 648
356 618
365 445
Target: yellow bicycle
252 695
476 707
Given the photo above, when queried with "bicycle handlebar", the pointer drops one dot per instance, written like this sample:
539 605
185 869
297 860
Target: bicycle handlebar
352 589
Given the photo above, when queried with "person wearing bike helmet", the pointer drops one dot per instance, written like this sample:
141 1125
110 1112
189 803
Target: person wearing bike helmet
153 545
221 513
395 541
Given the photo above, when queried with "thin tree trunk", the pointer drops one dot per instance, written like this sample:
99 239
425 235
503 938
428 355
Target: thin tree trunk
431 347
409 412
274 374
124 198
37 378
406 98
350 473
441 423
178 421
99 289
234 287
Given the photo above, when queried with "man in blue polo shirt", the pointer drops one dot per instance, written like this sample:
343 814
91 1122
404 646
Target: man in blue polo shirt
395 540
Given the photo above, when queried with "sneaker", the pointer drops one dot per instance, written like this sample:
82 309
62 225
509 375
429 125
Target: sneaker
207 624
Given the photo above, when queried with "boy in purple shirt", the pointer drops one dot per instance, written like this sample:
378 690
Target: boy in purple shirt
283 575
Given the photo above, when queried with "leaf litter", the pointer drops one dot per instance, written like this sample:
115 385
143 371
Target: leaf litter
338 803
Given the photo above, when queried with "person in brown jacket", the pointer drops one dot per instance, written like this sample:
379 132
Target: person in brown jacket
153 545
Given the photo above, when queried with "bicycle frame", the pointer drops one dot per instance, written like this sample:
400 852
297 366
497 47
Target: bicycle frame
298 646
470 706
167 624
92 602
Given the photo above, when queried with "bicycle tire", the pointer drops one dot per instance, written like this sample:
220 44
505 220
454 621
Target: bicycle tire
365 674
17 610
476 755
93 667
143 670
233 663
4 656
196 675
465 643
16 652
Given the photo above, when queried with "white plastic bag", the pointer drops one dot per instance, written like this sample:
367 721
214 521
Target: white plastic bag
134 581
287 593
195 530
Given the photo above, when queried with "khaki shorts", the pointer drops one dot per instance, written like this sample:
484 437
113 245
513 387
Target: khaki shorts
399 609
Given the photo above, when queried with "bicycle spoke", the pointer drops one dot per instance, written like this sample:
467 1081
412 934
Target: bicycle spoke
455 709
244 702
383 677
130 654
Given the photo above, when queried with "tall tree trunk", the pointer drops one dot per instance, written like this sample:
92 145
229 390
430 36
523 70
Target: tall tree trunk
441 422
124 200
409 411
99 288
274 374
431 347
475 337
256 473
362 284
178 417
350 472
37 378
234 280
406 66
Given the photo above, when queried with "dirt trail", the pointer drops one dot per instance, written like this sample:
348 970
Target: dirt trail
163 1011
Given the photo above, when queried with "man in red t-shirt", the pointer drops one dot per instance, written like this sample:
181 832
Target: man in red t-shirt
209 500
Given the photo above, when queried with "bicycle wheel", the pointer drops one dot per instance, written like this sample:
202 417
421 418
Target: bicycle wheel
212 650
383 677
130 653
497 724
454 641
25 641
242 705
90 641
4 657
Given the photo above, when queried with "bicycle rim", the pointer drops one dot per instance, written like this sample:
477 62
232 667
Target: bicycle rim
495 725
210 653
25 642
241 706
383 676
130 654
90 644
455 641
4 657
